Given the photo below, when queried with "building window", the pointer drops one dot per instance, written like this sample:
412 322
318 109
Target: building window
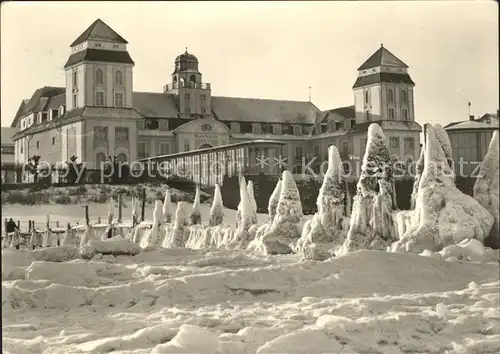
75 100
391 113
21 149
235 128
38 145
394 142
163 124
121 134
345 147
404 96
152 124
203 97
390 95
409 143
122 158
298 152
99 77
97 45
368 116
119 78
405 114
164 149
115 45
75 80
256 128
367 97
186 96
99 98
186 145
276 129
141 149
118 99
141 125
297 130
100 159
54 141
100 134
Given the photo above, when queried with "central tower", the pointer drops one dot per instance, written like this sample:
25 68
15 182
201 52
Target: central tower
193 96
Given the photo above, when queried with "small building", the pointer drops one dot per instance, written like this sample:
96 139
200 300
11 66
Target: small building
7 158
470 140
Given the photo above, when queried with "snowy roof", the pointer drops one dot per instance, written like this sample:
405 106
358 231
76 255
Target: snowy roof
470 124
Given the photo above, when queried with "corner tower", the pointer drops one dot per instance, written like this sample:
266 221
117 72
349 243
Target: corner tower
383 89
99 69
193 96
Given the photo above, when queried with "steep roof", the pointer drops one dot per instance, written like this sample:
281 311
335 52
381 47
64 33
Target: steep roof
19 112
155 105
99 31
7 134
346 112
39 101
108 56
383 77
263 110
382 57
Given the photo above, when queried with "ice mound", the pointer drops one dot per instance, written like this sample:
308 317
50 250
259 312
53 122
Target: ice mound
371 224
56 254
325 233
469 250
177 237
486 189
195 213
443 215
251 196
156 234
216 216
280 237
167 207
190 340
109 247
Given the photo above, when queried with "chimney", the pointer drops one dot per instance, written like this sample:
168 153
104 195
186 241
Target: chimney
471 117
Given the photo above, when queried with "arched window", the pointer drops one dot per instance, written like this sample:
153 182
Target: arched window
99 160
99 77
390 95
404 97
366 97
75 80
192 78
119 78
122 157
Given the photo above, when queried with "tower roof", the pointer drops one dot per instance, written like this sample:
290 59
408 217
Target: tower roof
382 57
186 57
99 31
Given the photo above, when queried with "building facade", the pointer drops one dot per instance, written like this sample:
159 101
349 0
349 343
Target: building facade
470 140
98 115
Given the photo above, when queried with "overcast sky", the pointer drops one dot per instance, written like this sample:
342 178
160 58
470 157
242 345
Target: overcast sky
269 49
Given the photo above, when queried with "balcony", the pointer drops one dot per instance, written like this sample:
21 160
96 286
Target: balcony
191 85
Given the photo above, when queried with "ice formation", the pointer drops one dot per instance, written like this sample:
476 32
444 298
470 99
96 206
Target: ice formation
246 216
325 233
111 211
251 195
273 201
217 211
70 237
195 213
371 224
281 236
135 216
445 143
178 236
443 215
486 190
167 204
156 233
419 168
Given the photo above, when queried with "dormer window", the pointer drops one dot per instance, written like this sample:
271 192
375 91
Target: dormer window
119 78
55 113
235 127
99 79
61 111
256 128
39 117
276 129
297 130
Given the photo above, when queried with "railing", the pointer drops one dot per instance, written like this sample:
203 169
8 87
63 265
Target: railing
193 85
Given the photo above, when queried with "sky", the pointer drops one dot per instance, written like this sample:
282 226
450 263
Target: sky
273 50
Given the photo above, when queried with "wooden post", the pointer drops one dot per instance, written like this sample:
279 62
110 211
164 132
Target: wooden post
87 218
143 207
120 208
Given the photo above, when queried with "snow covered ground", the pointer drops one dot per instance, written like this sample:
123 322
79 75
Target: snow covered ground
218 301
